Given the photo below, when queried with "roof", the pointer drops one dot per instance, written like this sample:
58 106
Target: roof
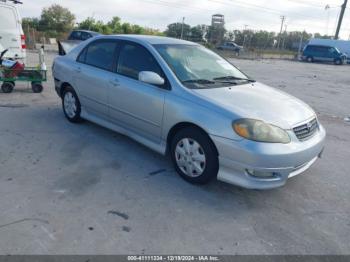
87 31
153 40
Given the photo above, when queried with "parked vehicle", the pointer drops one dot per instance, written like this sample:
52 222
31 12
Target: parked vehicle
82 35
11 33
321 53
180 98
230 46
342 45
75 38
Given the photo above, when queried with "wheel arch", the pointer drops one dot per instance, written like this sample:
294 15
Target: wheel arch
182 125
64 85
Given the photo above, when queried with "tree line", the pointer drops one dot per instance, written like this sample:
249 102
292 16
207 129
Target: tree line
259 39
56 21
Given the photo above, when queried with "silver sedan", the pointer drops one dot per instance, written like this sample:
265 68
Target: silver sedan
179 98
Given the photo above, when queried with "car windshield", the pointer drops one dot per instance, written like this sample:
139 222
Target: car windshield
197 67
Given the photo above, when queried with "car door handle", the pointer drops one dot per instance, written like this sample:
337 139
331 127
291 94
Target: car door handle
114 82
78 70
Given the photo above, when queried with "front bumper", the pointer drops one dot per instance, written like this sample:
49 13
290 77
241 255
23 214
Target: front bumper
237 160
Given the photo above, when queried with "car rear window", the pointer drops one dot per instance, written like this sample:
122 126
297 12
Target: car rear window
8 18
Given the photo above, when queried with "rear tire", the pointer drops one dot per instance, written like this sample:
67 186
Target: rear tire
194 156
7 87
310 59
71 105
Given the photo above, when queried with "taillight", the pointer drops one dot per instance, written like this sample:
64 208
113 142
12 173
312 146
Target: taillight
23 41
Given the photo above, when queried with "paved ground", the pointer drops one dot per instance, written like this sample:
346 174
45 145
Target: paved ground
82 189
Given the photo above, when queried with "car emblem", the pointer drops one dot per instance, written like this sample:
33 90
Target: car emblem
309 125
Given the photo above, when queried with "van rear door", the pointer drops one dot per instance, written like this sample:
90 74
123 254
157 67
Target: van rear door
10 32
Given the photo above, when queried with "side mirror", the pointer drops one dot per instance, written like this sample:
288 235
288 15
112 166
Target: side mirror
151 78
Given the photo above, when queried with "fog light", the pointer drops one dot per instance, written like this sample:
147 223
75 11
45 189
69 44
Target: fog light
261 174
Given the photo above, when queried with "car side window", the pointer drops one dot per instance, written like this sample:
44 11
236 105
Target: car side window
134 58
331 50
85 36
82 55
100 54
76 35
323 49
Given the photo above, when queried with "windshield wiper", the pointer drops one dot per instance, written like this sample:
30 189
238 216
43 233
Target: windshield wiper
199 81
230 78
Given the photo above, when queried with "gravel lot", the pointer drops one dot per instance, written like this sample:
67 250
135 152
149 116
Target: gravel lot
82 189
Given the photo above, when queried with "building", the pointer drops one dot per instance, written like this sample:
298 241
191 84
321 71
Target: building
217 30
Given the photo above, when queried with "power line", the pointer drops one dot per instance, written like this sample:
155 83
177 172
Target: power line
231 2
259 7
308 3
243 5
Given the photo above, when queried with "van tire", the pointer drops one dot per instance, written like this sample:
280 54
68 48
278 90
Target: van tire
338 61
310 59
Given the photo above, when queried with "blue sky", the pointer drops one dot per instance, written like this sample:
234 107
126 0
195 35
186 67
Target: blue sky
256 14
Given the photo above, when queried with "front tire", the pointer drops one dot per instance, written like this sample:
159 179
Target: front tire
338 61
194 156
71 105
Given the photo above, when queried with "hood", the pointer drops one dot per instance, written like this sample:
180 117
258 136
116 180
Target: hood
258 101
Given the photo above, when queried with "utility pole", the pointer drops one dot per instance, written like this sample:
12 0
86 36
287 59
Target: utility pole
343 7
245 36
284 36
182 27
283 18
300 45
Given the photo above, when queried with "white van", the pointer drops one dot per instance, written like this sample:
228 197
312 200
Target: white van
11 32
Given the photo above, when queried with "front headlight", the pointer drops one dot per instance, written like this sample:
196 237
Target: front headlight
259 131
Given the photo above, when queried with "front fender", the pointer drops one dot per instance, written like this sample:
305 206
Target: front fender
179 110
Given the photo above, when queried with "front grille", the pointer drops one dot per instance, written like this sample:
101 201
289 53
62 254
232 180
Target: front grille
305 131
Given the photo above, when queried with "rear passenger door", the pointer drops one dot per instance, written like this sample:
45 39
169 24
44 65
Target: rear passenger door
321 53
136 105
94 72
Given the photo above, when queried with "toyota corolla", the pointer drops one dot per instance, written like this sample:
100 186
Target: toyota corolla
179 98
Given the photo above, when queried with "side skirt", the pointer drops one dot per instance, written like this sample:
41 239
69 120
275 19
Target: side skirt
159 148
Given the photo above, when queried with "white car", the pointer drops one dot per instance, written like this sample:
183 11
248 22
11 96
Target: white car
11 32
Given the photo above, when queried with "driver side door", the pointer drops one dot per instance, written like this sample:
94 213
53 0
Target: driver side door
136 105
